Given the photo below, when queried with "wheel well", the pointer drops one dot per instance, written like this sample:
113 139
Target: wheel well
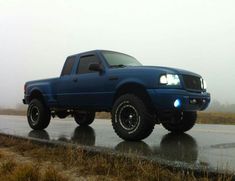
136 89
36 95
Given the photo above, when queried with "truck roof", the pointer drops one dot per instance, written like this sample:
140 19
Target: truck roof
97 50
90 51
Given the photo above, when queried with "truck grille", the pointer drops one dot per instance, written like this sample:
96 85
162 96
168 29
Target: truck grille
192 82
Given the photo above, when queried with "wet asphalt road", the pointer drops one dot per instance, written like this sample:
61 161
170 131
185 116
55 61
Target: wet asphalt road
209 146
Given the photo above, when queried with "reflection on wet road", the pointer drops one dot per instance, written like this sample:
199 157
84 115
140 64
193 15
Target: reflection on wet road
83 135
204 146
185 147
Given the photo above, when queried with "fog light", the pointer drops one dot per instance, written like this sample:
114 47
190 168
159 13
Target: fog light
177 103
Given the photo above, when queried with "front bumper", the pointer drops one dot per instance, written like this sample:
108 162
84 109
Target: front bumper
163 99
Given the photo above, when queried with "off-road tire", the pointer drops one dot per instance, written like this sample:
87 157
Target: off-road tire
84 119
131 118
180 123
38 115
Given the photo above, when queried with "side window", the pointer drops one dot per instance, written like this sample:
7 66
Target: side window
85 62
68 66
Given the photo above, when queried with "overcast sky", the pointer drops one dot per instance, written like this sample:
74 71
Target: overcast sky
197 35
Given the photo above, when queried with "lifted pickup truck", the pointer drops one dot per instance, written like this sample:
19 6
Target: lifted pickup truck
137 96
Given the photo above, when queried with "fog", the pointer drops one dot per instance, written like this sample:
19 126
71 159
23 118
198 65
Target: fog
197 35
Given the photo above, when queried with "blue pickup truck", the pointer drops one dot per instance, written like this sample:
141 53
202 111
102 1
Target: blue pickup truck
137 96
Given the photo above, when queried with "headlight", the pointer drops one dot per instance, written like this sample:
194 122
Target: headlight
204 84
170 79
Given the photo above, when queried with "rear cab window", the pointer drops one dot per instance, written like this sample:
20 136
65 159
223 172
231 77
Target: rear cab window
68 66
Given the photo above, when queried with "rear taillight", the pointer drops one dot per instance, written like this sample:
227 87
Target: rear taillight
25 88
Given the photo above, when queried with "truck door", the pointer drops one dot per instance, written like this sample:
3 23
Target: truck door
89 86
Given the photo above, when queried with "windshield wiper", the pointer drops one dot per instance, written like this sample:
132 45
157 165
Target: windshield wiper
118 66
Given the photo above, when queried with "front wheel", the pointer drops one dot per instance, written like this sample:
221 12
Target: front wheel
180 122
84 118
131 118
38 115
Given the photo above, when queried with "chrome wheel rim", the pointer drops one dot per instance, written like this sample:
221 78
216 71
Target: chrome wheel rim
128 117
34 115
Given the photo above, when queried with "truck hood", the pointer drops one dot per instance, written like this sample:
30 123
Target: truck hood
41 81
163 70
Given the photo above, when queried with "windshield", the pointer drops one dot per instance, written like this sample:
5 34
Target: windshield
115 59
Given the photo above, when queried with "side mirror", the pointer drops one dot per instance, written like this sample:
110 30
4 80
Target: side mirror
95 67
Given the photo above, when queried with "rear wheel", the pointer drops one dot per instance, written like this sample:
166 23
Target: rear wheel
131 119
38 115
84 118
180 122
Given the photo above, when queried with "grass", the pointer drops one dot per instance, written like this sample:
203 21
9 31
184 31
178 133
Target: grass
81 164
216 118
51 174
10 170
18 112
7 166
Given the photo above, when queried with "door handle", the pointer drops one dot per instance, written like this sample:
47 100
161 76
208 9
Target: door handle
113 78
75 79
